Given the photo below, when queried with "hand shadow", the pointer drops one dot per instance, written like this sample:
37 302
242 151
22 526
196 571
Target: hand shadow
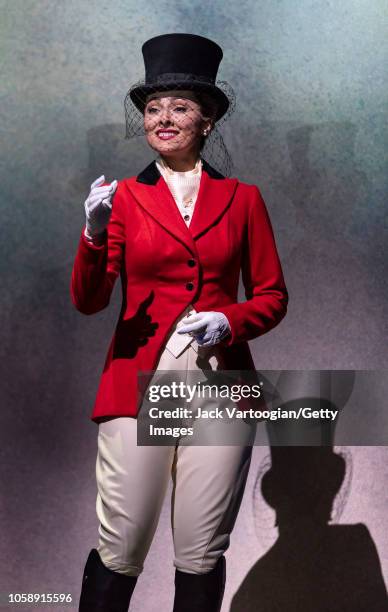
133 333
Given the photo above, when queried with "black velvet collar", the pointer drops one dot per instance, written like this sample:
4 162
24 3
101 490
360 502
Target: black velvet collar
150 175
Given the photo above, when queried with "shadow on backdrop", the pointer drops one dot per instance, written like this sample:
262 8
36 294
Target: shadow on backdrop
313 566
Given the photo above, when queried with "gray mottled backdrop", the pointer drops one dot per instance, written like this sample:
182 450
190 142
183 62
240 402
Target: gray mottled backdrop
309 130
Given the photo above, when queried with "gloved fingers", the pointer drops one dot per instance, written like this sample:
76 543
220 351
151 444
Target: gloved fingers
94 200
193 327
91 209
102 207
206 340
110 188
196 316
93 203
98 181
202 338
99 191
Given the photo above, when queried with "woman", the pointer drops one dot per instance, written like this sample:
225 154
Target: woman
178 234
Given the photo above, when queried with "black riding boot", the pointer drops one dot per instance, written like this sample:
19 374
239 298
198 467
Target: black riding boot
104 590
200 592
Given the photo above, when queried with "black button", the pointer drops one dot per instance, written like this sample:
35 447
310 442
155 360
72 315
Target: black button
190 286
191 262
186 217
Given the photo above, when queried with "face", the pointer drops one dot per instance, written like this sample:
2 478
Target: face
174 125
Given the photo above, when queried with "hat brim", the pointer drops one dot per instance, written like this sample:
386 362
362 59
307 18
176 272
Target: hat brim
138 94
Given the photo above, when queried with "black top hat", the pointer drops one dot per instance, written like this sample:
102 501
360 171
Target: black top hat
180 61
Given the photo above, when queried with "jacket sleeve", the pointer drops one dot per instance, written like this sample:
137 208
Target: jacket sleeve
96 266
262 276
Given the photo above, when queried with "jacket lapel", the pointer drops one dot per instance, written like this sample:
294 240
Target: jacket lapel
152 193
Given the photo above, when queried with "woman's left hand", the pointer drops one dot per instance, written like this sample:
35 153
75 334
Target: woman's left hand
208 328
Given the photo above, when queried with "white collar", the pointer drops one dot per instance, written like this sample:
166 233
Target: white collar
166 168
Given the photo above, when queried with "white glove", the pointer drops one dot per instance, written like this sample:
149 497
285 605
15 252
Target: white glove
98 207
208 328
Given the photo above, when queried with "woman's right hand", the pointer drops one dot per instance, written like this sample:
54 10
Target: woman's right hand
98 207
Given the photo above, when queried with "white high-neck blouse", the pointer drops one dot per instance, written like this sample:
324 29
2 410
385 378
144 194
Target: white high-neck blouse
184 186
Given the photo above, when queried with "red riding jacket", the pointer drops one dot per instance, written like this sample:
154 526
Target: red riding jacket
166 265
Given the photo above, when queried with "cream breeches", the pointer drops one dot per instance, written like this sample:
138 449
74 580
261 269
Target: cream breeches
132 481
